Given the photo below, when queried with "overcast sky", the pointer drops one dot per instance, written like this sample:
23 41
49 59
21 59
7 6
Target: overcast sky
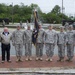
46 5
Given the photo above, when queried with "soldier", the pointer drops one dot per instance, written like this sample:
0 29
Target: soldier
3 23
17 41
61 42
50 41
66 26
21 23
39 43
28 43
70 43
0 37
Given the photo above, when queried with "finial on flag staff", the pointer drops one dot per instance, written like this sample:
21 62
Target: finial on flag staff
35 9
35 12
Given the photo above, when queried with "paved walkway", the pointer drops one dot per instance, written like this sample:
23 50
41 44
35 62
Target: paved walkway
37 64
37 67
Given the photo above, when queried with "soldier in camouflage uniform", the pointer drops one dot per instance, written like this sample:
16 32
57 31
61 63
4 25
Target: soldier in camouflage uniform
0 37
61 42
28 43
50 41
17 41
39 44
3 23
66 26
70 43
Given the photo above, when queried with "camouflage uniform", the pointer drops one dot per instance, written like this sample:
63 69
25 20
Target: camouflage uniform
3 23
70 44
66 26
50 41
17 41
61 42
28 42
40 41
0 37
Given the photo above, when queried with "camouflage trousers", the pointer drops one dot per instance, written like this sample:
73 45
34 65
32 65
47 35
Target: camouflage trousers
28 49
39 49
49 49
61 50
18 48
70 51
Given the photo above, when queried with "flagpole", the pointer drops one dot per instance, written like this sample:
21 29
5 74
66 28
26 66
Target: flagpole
35 30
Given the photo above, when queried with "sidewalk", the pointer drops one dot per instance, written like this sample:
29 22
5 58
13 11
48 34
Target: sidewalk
37 67
37 64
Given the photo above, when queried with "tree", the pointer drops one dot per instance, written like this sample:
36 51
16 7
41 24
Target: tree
16 9
24 12
52 18
56 9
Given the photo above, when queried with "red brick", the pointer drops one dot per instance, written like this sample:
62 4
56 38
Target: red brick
37 64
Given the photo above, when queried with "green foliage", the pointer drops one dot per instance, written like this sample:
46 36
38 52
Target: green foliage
55 16
23 13
56 10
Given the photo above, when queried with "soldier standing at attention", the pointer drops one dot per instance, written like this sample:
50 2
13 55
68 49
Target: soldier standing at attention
70 43
50 41
66 26
28 43
3 23
39 43
61 42
17 41
21 23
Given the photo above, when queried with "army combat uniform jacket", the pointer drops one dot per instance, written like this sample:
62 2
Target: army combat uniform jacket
61 42
50 41
27 38
70 44
40 41
17 41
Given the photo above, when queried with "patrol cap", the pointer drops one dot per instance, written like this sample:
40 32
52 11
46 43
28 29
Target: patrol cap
28 26
50 25
70 26
66 23
39 25
18 26
61 27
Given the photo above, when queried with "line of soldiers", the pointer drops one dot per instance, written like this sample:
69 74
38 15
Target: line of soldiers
49 38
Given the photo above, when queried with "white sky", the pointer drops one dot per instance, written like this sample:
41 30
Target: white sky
47 5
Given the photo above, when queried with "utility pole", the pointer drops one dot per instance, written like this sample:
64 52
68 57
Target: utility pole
7 11
62 6
12 12
62 10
